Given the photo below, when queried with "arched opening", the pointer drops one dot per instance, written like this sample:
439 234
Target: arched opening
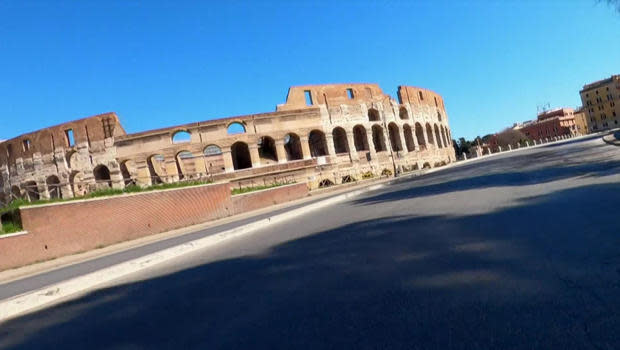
235 128
126 173
340 140
438 137
32 191
402 112
292 146
72 160
241 155
53 187
373 115
395 137
429 134
419 134
213 159
426 166
267 149
181 137
212 150
439 116
408 138
157 168
325 183
377 138
317 143
16 192
444 137
360 139
185 164
102 175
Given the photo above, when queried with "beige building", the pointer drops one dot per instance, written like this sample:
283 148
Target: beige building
581 124
601 104
321 135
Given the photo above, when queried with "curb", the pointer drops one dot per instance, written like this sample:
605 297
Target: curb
54 294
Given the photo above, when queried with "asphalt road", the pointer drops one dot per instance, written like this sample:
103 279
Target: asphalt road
518 251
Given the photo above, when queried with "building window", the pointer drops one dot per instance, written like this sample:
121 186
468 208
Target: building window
421 95
308 95
26 145
350 94
70 137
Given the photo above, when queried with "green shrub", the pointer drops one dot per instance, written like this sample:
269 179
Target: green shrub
10 227
368 175
386 172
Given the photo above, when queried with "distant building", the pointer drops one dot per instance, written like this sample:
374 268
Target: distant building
549 124
600 102
581 123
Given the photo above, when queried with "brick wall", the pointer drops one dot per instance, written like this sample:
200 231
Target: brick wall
256 200
61 229
66 228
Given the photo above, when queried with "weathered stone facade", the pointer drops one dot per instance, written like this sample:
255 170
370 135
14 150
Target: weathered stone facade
322 135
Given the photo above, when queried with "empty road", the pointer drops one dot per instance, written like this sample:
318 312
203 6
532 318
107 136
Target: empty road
517 251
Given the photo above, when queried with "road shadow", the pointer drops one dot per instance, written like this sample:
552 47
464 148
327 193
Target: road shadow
543 274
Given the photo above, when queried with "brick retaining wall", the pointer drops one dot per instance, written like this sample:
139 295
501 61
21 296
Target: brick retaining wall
66 228
255 200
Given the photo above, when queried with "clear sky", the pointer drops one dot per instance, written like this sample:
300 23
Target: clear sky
163 63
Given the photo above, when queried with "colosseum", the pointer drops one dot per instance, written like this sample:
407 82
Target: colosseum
322 135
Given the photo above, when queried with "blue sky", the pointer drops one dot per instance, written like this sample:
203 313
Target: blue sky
162 63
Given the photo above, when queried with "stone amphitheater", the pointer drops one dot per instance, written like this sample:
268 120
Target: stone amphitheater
322 135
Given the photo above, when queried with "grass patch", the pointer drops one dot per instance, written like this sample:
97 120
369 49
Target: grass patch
243 190
9 227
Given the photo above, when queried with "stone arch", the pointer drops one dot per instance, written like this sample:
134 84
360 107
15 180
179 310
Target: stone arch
402 113
32 190
240 153
360 138
439 116
444 137
419 134
429 134
426 165
53 186
157 168
102 175
126 173
185 163
378 139
341 145
16 192
438 137
373 115
72 160
317 143
213 159
235 128
292 146
408 138
181 136
394 133
267 148
212 150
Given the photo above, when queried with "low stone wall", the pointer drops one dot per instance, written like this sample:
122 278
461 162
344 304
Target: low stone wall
255 200
60 229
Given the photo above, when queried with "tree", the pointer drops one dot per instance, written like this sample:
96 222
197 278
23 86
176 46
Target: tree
613 3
